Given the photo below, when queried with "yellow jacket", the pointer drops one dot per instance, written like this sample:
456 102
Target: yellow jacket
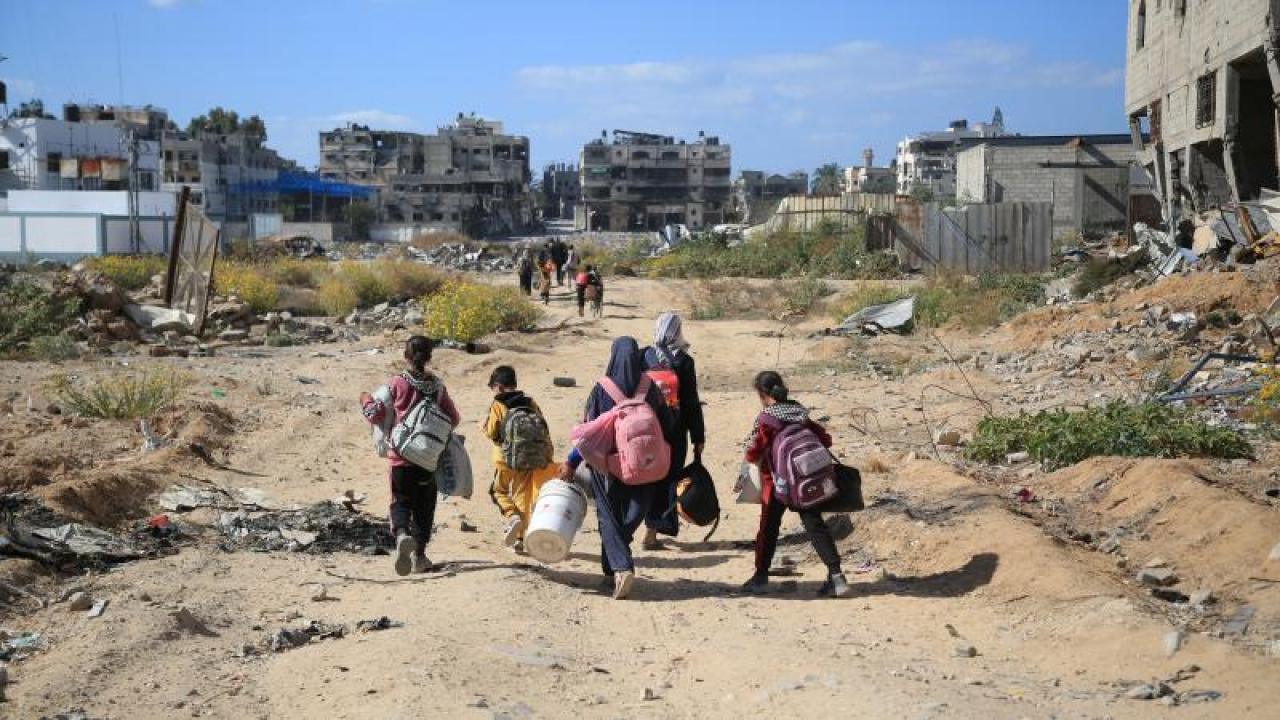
513 491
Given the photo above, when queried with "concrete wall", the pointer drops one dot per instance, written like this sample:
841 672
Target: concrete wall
105 202
71 236
1087 184
799 212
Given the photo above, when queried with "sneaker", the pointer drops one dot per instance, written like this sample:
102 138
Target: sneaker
757 584
622 583
514 528
406 546
518 548
421 563
836 586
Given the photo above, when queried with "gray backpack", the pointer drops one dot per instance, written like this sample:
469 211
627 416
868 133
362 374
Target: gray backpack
526 441
421 435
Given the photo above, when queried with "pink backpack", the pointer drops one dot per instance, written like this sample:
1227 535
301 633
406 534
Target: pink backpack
804 472
642 455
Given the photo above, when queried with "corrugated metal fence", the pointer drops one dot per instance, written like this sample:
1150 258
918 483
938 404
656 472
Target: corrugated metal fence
995 237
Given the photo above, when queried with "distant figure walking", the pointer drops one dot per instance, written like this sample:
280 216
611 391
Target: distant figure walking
524 269
559 254
589 288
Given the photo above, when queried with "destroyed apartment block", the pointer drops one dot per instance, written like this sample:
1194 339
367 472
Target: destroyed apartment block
642 181
1201 93
470 176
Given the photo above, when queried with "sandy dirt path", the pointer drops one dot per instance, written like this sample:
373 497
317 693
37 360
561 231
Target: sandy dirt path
1055 634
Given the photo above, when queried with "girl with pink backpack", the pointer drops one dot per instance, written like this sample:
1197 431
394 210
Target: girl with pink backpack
786 418
627 410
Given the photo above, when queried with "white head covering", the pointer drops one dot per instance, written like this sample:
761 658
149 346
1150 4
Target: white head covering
668 336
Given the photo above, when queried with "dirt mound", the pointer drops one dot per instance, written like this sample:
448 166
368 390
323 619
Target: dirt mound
97 471
1201 293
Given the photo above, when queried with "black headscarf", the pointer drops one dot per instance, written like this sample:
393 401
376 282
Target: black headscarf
626 368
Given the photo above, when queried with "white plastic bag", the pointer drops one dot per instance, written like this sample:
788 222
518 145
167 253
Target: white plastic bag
453 471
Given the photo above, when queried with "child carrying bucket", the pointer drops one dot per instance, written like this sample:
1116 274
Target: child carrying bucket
523 454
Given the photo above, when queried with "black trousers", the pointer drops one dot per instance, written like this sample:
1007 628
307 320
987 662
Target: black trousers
413 502
770 525
526 283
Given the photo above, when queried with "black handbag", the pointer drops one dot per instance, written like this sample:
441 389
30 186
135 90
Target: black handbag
849 495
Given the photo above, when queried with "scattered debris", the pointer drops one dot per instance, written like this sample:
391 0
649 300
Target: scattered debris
98 608
382 623
893 317
15 646
964 649
1157 576
79 602
187 622
565 382
313 631
321 528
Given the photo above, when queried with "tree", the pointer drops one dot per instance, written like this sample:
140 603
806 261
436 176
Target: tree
227 122
360 216
922 193
828 179
31 109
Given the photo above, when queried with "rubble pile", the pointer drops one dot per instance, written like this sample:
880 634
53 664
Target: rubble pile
31 530
467 257
387 316
325 527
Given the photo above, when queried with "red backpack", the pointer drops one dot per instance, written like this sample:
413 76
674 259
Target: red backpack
804 472
641 454
668 382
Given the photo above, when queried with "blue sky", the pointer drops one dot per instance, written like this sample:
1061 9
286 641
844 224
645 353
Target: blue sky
790 85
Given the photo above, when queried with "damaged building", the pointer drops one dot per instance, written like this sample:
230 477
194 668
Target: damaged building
756 194
926 162
643 181
1201 94
560 190
231 175
470 176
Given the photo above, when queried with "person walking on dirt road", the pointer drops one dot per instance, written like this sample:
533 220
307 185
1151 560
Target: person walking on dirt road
780 411
669 362
620 508
413 489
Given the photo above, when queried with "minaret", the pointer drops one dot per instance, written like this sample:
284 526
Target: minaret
997 120
868 155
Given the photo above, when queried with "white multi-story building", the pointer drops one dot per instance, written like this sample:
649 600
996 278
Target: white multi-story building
927 160
867 178
49 154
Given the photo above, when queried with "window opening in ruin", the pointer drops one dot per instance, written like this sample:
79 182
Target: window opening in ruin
53 162
4 159
1206 99
1141 25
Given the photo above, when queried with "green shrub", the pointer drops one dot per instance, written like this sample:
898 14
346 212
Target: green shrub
253 284
465 312
52 348
120 395
28 311
827 252
798 297
1058 438
130 272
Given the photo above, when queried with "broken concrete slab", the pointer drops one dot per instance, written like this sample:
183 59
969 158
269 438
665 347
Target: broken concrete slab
159 319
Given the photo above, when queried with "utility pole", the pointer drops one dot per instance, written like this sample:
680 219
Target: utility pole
135 238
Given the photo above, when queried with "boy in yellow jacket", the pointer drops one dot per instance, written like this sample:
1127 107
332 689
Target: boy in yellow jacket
523 454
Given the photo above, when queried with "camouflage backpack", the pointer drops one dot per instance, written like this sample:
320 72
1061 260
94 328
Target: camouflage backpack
526 441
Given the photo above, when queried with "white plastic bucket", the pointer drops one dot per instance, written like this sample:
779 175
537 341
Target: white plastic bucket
557 516
749 492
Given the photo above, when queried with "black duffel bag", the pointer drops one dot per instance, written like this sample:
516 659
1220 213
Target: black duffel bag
849 497
696 500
